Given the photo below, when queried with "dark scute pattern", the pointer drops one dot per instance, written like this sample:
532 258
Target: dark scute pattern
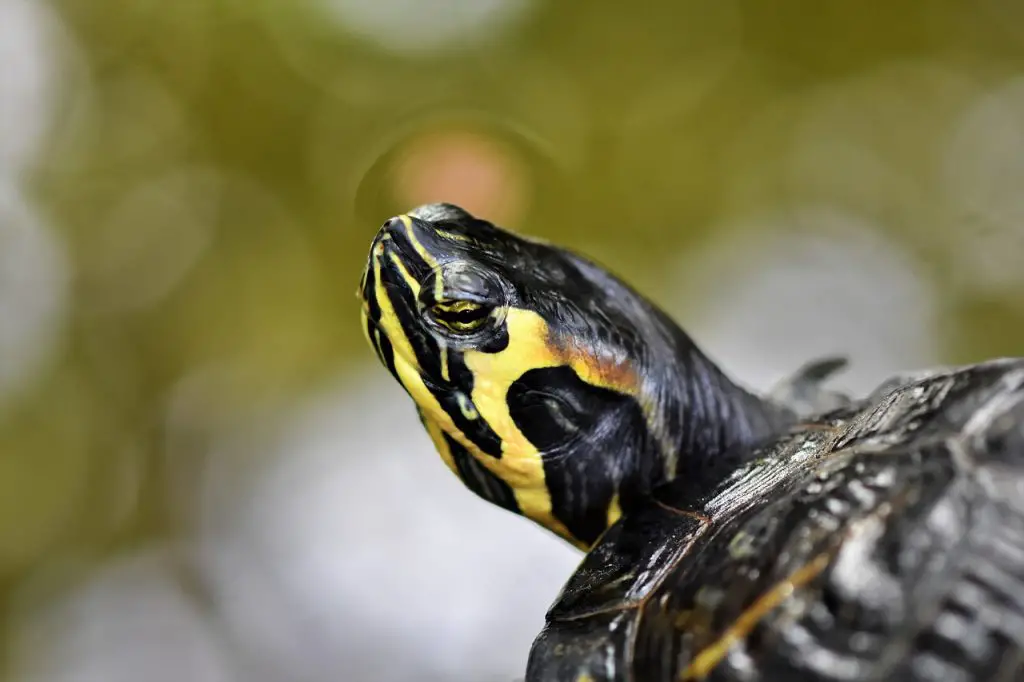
747 554
590 438
1000 444
589 647
907 499
977 630
628 562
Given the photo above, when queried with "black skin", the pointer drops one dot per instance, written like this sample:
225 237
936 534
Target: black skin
888 537
883 540
595 441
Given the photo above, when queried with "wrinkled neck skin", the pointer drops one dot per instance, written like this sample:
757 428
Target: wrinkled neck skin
665 414
715 421
687 421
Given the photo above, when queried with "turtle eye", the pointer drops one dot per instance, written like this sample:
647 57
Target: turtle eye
461 317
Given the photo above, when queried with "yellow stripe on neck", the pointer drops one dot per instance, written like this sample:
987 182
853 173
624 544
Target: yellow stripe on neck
521 465
530 346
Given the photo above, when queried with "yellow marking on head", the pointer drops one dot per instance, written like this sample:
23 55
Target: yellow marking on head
391 327
534 502
709 657
457 306
443 350
453 236
440 444
603 372
438 288
614 511
427 257
530 346
466 407
436 421
406 275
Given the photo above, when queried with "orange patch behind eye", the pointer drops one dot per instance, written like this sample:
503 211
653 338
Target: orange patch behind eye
531 346
617 375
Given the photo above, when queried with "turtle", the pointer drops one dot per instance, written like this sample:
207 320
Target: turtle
802 534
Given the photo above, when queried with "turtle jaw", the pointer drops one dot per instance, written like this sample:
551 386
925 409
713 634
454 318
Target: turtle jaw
390 319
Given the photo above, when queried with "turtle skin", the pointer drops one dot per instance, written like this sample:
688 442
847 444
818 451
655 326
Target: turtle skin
881 541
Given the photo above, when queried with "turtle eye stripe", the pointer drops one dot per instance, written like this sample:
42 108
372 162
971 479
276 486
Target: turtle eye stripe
457 307
466 313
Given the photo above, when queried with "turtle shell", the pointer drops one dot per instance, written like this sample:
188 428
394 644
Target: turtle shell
881 541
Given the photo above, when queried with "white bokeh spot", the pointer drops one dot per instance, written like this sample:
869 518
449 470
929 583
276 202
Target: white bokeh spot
413 25
152 239
771 293
128 621
29 56
983 180
33 292
351 540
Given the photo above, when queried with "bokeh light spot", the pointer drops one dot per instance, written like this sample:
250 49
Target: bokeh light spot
151 240
466 168
983 176
33 292
302 583
784 287
413 25
27 51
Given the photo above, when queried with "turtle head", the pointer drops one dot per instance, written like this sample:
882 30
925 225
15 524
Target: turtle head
547 385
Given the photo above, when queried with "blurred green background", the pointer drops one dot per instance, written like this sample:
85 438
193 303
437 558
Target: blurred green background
187 191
